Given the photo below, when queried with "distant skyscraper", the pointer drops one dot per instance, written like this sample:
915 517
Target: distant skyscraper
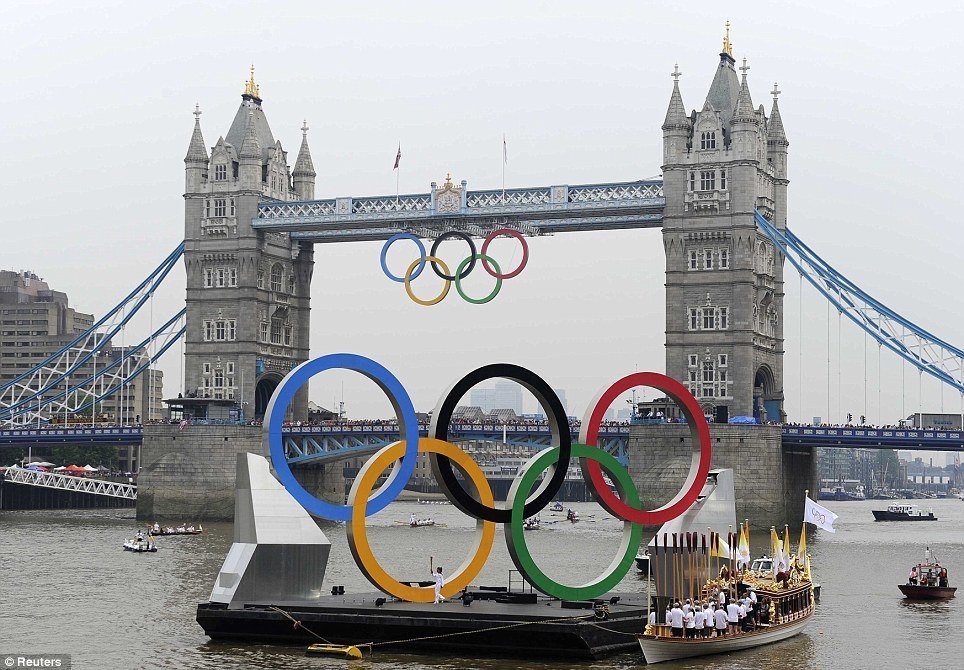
505 395
562 398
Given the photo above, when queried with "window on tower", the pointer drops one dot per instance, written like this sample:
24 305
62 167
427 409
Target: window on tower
692 181
220 207
708 140
707 259
708 180
277 275
220 172
694 319
722 180
724 259
694 260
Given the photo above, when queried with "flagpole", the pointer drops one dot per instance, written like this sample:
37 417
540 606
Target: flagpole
505 159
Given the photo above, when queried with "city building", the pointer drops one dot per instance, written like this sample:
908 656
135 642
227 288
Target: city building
36 322
505 395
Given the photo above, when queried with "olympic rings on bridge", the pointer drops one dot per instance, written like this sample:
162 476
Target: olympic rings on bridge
464 268
358 538
478 501
404 412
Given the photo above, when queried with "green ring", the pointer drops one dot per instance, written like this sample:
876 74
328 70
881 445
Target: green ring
515 537
458 280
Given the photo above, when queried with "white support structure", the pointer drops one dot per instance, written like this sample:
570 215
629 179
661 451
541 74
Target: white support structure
51 480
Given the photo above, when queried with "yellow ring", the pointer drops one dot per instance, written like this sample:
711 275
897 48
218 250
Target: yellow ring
408 281
358 537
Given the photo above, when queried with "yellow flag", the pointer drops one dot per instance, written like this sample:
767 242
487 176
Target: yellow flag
774 543
802 549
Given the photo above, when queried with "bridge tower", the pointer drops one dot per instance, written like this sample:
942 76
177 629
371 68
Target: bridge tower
724 278
248 291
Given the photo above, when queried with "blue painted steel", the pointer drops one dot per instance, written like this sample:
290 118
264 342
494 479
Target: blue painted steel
313 444
131 352
156 277
846 297
870 438
404 412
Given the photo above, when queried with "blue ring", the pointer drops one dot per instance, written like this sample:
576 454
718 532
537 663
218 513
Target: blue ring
421 250
404 411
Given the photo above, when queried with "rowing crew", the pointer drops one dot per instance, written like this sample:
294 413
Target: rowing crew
704 618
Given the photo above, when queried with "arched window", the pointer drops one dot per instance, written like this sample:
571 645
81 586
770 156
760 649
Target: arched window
277 275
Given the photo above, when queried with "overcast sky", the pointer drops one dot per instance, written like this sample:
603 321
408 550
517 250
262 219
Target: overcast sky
97 118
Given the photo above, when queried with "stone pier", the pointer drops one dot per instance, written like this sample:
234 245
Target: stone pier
770 480
189 475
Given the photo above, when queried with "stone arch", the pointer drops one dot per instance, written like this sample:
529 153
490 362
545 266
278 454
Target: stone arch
764 392
263 390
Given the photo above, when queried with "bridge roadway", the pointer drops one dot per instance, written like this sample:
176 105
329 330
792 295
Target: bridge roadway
330 443
540 210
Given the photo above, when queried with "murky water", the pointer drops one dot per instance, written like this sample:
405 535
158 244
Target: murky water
67 587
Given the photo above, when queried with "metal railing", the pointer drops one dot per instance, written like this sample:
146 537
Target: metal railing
51 480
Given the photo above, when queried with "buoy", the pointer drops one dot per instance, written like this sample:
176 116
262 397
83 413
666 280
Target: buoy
349 651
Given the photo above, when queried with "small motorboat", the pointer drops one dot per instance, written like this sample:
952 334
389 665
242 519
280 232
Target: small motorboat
902 513
927 581
140 544
532 524
556 507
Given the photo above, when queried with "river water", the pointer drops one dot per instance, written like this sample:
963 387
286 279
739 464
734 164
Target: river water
66 586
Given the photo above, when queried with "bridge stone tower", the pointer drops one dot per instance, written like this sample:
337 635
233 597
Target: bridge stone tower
247 291
724 278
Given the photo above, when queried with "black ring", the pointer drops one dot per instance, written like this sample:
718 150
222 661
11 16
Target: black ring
558 426
460 235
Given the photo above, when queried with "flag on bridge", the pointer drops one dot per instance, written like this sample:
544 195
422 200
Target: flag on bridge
398 157
818 515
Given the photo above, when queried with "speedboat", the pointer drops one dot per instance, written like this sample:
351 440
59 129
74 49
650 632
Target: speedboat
531 524
556 507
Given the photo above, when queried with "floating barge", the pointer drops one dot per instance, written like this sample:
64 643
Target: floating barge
540 628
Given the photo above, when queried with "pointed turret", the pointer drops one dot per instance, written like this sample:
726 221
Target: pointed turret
744 102
304 172
676 112
196 160
251 156
777 139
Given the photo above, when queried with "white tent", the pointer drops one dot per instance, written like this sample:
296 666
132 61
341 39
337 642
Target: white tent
43 464
60 469
90 468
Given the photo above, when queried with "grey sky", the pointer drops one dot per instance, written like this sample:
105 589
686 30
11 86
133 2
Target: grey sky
97 118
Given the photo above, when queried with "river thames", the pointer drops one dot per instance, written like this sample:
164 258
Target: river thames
67 587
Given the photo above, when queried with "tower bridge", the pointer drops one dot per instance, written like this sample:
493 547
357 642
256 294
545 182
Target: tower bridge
251 223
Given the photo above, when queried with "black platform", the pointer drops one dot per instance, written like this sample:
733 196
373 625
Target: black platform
546 629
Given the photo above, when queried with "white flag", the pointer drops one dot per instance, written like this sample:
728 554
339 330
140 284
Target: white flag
819 516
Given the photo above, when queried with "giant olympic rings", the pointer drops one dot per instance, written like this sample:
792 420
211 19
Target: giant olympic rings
478 501
358 539
464 268
404 411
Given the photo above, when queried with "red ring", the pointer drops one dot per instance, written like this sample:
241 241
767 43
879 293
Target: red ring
699 468
525 252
